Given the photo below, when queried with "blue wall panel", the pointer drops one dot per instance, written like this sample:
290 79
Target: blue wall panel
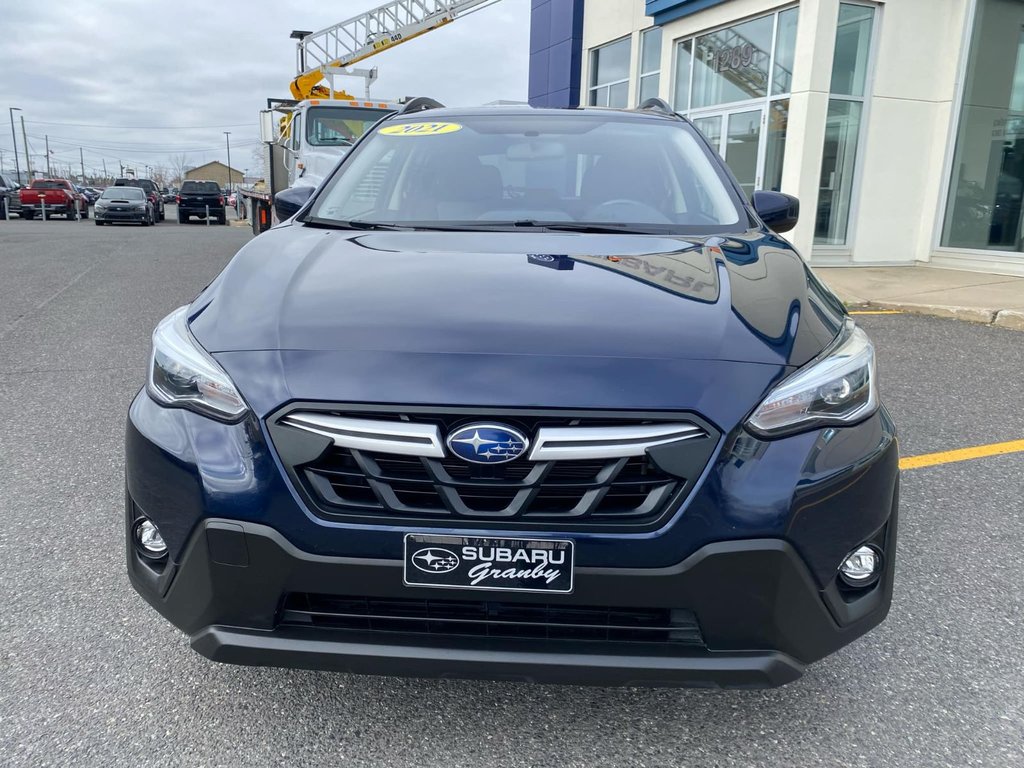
556 52
664 11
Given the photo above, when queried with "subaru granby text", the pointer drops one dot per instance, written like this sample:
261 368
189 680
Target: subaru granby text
517 393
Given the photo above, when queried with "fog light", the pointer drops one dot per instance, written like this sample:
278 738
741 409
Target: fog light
148 537
861 566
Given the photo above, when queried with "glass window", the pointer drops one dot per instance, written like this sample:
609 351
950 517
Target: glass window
785 51
339 126
650 64
853 45
843 123
684 60
609 74
732 64
775 149
986 193
842 132
496 170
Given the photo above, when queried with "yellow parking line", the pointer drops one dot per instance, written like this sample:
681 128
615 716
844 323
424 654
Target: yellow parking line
963 454
876 312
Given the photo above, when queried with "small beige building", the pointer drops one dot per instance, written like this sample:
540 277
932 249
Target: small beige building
215 171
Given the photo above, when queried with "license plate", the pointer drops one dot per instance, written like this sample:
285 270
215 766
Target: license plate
503 565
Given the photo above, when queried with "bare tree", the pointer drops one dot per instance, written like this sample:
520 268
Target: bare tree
179 164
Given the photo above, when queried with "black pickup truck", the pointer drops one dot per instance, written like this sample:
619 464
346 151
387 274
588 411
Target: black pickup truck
201 198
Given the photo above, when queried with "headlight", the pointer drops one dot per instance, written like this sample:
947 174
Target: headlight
837 388
183 374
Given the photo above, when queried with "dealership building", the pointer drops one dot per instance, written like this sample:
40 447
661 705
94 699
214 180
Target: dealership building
898 124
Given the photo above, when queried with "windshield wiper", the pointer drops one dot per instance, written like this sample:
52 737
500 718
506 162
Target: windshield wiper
356 224
581 226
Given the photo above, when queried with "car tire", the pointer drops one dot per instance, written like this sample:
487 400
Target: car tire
222 219
29 215
99 223
163 214
85 213
182 218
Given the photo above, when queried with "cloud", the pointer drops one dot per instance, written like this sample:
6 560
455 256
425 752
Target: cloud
209 67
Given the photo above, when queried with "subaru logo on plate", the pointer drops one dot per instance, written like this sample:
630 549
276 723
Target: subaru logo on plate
436 560
487 443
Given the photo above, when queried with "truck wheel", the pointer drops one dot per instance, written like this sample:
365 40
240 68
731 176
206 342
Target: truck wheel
163 214
182 218
222 219
28 215
99 223
85 213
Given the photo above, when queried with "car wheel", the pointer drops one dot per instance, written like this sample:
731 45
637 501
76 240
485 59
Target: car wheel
222 219
163 214
28 215
85 213
182 218
99 223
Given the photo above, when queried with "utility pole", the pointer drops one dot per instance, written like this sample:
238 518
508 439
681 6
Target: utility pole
14 138
227 138
47 138
81 159
105 170
28 160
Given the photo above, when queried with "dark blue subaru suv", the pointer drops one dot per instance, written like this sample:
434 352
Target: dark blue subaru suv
518 394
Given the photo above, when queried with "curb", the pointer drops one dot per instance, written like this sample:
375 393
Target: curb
1012 319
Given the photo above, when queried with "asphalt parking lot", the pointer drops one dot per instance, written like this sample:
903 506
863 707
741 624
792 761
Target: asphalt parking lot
90 675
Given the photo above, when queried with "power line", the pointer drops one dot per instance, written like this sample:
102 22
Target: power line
142 127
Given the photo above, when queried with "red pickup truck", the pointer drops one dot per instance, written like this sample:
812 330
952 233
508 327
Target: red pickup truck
58 195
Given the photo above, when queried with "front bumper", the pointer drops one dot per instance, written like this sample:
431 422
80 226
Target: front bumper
761 615
137 216
752 553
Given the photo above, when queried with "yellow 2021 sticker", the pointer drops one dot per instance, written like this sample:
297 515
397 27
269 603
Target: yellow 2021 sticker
420 129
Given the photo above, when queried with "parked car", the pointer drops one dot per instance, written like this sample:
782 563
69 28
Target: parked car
169 194
52 197
9 195
90 194
203 199
518 393
124 204
152 193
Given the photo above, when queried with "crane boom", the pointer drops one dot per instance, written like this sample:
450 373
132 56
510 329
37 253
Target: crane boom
358 38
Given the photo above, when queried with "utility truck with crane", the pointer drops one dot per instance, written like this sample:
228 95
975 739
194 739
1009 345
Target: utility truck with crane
305 136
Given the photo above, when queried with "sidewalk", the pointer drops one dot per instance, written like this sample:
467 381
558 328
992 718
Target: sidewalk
974 296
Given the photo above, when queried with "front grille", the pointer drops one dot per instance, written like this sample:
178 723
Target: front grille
382 485
493 619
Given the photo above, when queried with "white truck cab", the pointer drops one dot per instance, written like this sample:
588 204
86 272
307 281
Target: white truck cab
316 133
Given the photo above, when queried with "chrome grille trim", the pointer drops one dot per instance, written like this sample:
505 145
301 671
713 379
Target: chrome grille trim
608 442
403 438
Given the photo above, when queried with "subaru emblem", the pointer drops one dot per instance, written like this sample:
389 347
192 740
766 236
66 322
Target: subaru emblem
487 443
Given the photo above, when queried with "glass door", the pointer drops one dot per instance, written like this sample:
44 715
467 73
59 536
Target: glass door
738 137
743 149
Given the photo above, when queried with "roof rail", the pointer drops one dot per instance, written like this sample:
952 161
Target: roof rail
662 107
418 104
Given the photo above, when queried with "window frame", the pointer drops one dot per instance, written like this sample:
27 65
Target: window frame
592 70
640 73
845 249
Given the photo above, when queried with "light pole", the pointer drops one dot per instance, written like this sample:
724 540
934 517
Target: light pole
14 138
227 138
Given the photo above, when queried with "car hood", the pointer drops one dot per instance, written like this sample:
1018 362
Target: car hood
747 298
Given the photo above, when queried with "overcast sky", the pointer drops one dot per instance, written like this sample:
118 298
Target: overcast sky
138 81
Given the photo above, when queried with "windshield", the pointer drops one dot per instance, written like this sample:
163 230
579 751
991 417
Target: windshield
502 170
339 126
200 186
123 193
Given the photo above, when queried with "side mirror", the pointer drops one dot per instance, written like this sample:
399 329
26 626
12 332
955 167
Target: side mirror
287 202
780 212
